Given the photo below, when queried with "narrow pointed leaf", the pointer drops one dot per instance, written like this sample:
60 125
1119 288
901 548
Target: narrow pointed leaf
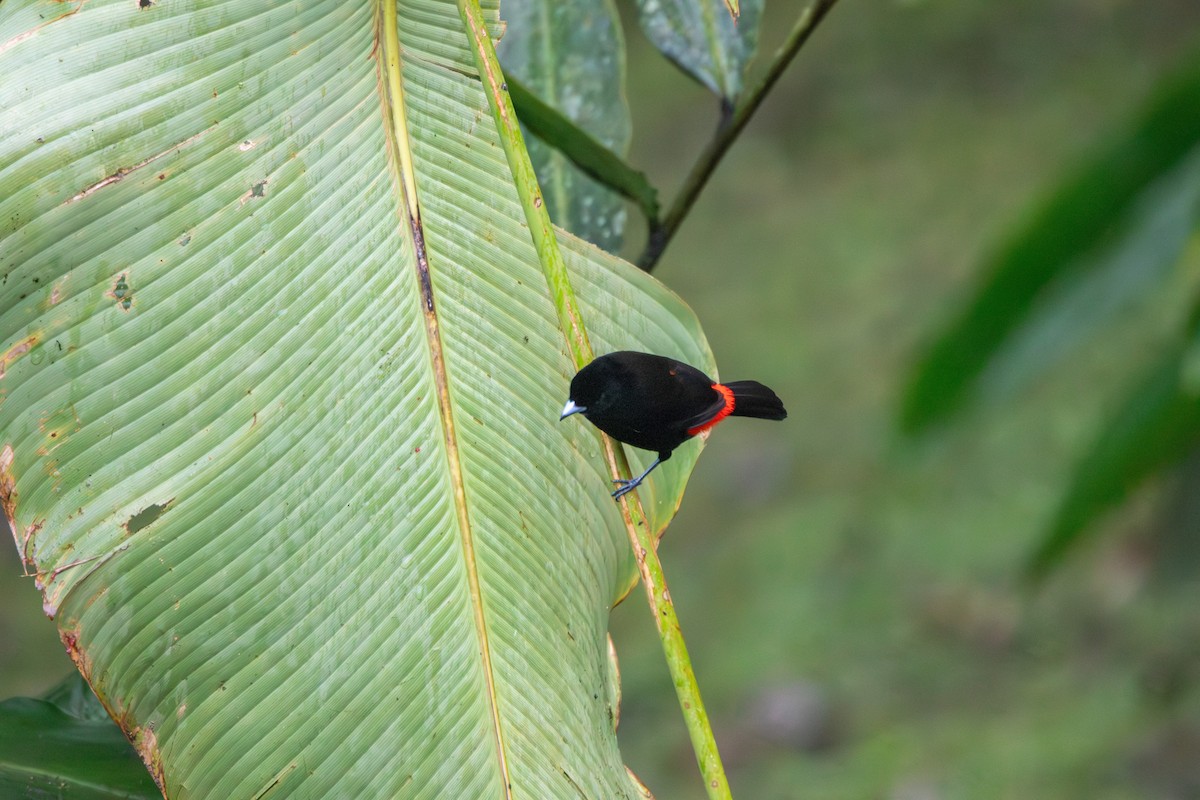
1158 424
590 156
1081 305
279 383
1084 213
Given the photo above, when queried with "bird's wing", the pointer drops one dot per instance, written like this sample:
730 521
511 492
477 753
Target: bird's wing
709 413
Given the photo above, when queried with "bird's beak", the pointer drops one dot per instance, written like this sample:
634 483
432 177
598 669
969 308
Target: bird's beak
570 408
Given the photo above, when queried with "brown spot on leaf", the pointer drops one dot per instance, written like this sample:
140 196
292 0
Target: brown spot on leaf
57 426
16 351
20 37
146 743
27 539
56 294
70 640
8 490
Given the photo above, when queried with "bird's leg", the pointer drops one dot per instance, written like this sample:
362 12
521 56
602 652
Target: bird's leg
628 485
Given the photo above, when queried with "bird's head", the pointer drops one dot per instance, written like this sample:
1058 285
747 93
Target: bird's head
593 388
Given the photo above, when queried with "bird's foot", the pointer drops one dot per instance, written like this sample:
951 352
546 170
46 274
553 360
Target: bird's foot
626 486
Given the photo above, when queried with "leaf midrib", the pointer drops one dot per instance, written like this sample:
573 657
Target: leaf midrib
392 97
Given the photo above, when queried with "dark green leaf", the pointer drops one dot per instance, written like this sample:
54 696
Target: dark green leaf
1157 425
1090 210
701 37
1082 304
76 698
570 54
66 746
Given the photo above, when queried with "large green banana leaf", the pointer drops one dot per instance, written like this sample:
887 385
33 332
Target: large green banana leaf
279 385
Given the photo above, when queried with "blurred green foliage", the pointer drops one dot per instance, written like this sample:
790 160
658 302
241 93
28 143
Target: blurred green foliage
1105 237
1090 212
853 604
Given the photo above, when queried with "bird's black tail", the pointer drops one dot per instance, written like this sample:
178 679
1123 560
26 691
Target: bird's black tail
752 399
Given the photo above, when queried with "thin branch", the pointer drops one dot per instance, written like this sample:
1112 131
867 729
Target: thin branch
727 133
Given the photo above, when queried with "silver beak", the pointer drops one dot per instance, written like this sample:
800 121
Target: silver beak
570 408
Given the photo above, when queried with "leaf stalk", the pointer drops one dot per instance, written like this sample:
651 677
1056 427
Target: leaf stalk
727 133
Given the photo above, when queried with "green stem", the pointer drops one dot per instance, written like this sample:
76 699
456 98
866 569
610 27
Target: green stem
728 132
641 536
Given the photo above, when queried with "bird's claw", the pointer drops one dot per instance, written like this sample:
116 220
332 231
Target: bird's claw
627 486
624 486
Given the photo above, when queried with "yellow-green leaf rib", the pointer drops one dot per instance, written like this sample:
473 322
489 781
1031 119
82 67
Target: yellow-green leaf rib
410 212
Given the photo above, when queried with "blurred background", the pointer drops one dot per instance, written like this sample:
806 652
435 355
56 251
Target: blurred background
853 599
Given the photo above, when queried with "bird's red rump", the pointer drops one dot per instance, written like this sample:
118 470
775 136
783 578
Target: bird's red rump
725 411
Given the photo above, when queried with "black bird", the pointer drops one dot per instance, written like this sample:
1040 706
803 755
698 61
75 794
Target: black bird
658 403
